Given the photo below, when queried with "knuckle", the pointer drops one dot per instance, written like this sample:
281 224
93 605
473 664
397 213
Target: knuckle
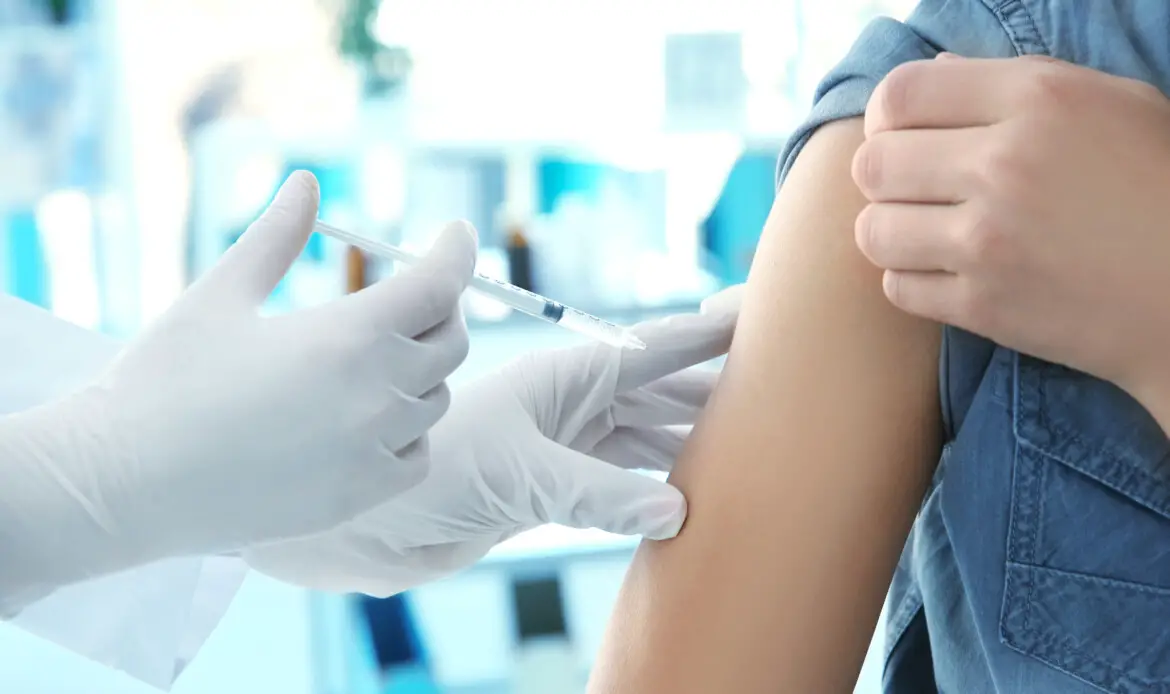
340 344
452 286
420 298
893 99
1148 90
986 242
867 167
460 346
443 292
1049 84
439 399
364 346
416 451
1039 59
1000 165
865 231
427 288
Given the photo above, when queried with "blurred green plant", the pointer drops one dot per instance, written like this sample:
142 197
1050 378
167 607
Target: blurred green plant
59 11
356 36
385 67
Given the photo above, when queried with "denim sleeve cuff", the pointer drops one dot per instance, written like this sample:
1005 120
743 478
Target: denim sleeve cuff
843 93
966 27
845 99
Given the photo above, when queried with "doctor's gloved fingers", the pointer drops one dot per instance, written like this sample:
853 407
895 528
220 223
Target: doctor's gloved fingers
381 477
726 302
445 558
256 263
394 571
631 448
676 399
595 494
406 420
418 298
387 570
673 344
416 366
442 350
337 562
317 562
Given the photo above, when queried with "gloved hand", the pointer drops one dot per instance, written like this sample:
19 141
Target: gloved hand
553 437
220 428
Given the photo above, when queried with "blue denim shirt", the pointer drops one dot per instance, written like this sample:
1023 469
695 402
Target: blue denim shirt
1040 561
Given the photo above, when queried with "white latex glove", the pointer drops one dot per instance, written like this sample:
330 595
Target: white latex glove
219 428
551 438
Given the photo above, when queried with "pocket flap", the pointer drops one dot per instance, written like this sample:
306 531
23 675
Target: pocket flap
1095 428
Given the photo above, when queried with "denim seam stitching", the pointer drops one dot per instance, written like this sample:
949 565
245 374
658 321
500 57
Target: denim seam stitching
1076 577
908 608
1023 540
1020 43
1143 497
1119 675
1148 482
946 402
1065 648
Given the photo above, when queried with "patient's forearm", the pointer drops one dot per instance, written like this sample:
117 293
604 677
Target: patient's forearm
803 476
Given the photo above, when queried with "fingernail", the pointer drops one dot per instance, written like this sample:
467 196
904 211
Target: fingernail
946 56
297 192
671 520
724 302
467 227
299 181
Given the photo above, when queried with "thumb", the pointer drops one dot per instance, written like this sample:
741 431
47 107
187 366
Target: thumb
675 343
725 302
588 493
418 298
256 263
681 341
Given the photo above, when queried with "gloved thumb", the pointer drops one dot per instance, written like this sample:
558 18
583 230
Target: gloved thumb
726 302
584 492
420 297
256 263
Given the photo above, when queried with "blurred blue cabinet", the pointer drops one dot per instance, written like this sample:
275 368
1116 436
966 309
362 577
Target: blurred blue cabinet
733 228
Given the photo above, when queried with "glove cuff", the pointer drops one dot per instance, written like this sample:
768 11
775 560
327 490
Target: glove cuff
54 529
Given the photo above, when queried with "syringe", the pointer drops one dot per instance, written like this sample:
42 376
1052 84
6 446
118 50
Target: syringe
508 294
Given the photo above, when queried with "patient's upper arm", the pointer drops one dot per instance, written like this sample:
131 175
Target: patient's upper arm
804 474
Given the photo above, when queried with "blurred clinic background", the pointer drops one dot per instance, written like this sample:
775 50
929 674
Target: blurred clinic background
616 155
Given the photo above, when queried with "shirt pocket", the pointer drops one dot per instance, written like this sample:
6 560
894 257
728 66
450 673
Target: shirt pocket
1087 580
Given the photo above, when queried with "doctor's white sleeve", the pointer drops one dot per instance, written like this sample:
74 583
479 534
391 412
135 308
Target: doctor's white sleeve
148 622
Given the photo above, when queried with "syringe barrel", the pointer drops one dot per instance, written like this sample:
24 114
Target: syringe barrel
520 299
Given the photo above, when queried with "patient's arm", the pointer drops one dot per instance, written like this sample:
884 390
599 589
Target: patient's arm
803 476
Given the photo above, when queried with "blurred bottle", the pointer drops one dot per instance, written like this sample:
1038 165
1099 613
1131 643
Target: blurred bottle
545 660
355 270
519 255
396 645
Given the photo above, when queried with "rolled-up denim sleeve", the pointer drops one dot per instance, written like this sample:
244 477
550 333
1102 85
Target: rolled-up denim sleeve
971 28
